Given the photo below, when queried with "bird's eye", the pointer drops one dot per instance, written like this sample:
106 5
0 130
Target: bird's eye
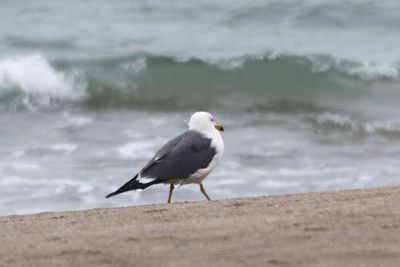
211 119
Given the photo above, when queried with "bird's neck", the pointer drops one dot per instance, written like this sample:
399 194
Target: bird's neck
210 133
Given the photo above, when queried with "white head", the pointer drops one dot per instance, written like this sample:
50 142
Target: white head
204 122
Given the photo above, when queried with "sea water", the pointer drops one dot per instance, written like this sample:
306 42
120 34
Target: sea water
308 92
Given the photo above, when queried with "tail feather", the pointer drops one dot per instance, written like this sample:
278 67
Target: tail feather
132 184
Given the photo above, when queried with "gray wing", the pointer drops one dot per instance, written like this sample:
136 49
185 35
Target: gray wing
180 157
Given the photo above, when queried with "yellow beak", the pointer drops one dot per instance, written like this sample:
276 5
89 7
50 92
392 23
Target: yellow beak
219 127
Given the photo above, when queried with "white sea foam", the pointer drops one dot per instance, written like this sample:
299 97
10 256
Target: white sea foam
228 64
137 66
76 120
137 149
278 184
309 171
42 188
132 133
369 71
39 81
365 70
337 119
346 121
24 166
385 126
228 182
65 148
80 121
84 188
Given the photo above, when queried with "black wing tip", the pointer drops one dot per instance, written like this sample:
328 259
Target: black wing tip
111 195
132 184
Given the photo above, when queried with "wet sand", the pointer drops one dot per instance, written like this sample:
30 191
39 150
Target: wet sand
343 228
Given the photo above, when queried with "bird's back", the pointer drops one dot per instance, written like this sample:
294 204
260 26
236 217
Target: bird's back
180 157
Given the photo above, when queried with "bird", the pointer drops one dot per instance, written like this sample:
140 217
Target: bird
186 159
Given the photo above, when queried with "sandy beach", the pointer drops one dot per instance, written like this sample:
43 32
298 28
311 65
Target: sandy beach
342 228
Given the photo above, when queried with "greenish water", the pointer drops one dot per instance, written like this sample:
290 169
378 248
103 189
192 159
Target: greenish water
307 91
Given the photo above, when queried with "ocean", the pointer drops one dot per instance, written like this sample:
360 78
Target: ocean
308 93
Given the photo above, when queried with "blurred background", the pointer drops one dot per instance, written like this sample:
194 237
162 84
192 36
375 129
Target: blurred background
308 92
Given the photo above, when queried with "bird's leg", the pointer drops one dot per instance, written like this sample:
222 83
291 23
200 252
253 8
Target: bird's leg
204 192
171 188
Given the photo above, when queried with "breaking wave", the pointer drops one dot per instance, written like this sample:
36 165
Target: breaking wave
331 121
31 82
163 83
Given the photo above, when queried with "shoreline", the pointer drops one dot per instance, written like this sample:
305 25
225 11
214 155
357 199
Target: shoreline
359 227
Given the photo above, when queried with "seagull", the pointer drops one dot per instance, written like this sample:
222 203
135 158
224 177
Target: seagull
186 159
